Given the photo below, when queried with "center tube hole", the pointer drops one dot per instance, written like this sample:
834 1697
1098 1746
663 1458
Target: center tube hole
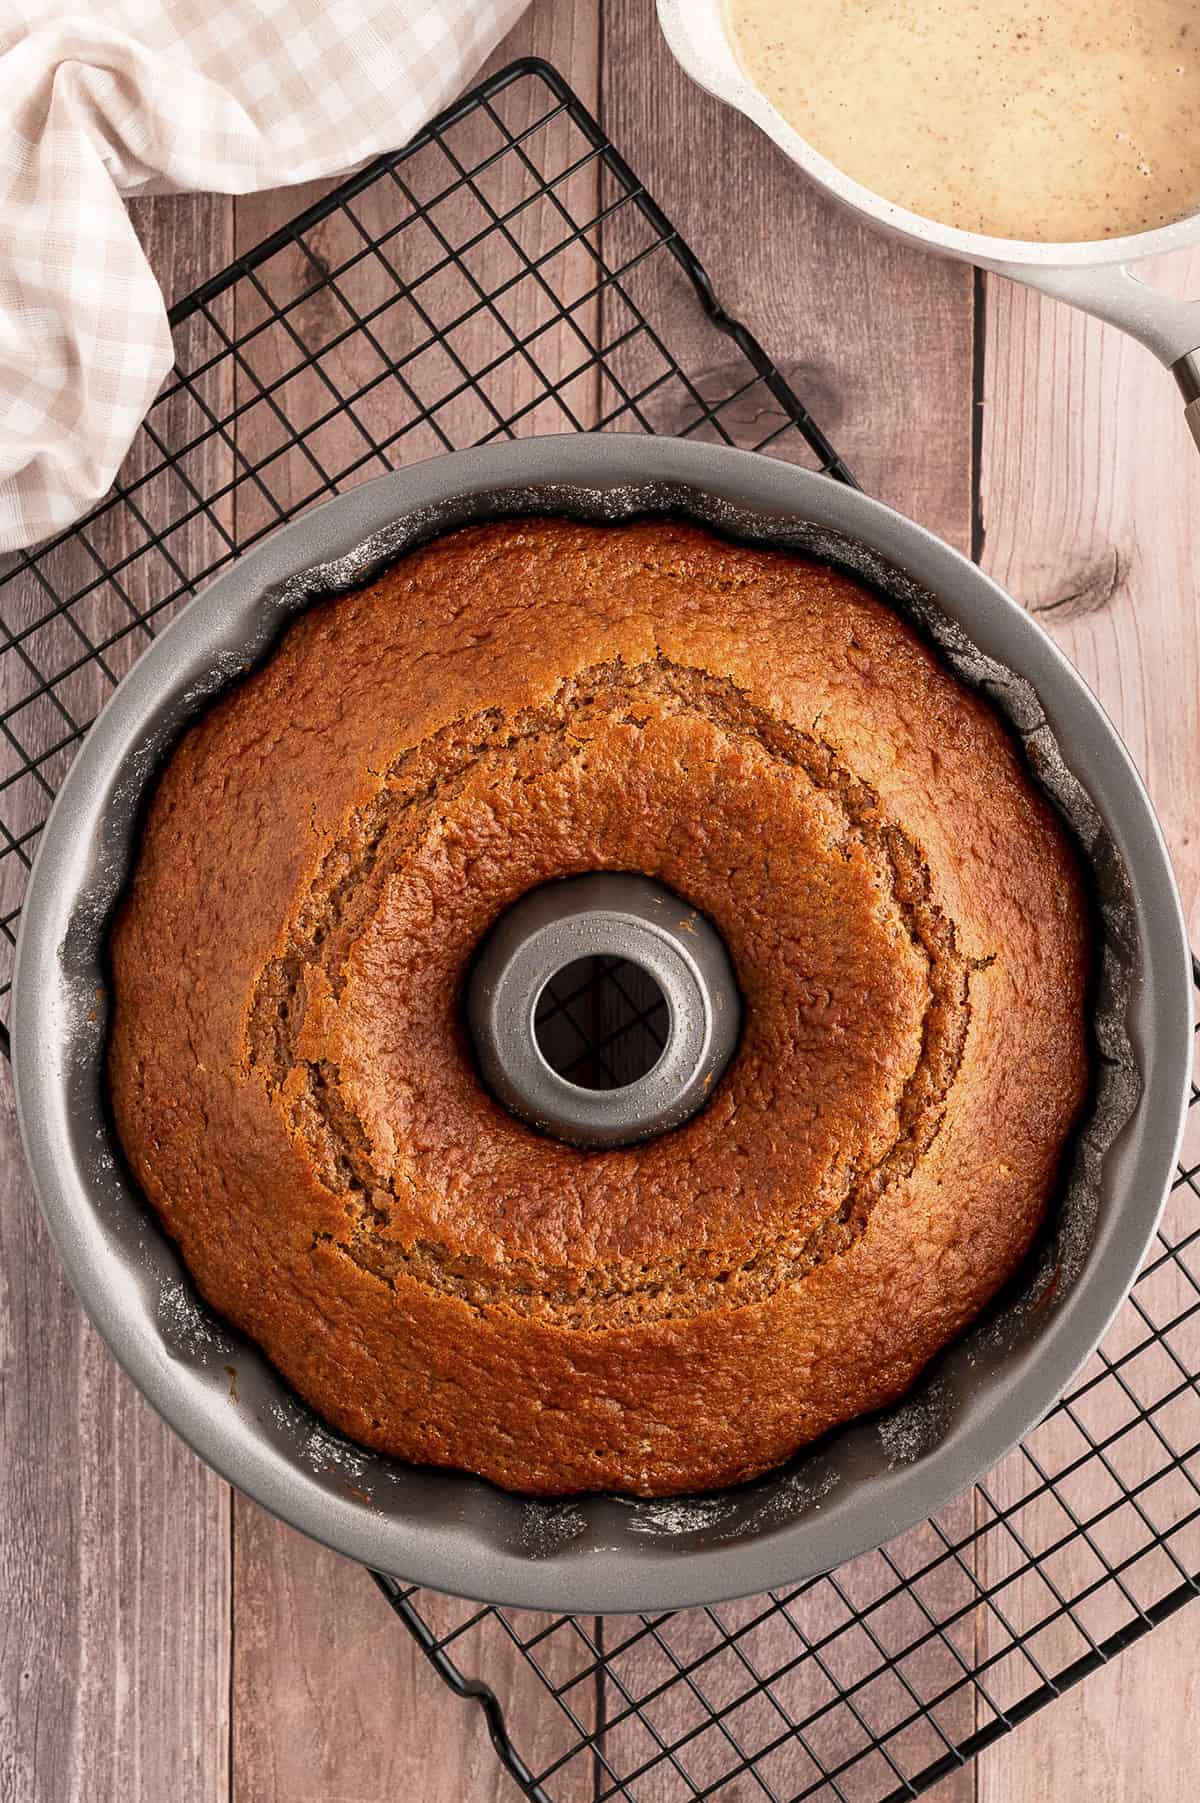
601 1023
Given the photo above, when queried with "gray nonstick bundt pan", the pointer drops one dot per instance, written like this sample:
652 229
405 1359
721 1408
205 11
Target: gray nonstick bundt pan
861 1485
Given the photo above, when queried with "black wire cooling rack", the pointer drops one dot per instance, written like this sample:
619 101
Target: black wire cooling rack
507 274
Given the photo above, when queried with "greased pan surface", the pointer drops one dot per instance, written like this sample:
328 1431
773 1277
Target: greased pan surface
854 1490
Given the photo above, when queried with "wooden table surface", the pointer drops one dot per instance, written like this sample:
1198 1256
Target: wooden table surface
162 1639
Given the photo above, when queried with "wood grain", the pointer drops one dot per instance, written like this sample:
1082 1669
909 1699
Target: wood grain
114 1636
1090 513
333 1702
1090 504
114 1539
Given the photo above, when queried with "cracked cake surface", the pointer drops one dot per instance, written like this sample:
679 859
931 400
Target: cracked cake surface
536 699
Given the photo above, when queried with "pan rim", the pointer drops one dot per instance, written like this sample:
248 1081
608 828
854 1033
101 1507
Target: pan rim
451 1553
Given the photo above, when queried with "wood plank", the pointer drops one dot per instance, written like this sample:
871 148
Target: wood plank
1129 1732
334 1702
114 1634
114 1540
874 338
332 1699
1090 496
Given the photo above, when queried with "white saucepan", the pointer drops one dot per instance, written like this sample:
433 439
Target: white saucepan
1095 276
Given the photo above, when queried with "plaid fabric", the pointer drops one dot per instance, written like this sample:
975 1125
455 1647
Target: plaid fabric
156 96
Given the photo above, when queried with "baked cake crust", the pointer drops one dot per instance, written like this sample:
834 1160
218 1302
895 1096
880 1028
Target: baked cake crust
536 699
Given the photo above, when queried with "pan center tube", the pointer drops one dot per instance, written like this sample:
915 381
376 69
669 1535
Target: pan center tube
603 1009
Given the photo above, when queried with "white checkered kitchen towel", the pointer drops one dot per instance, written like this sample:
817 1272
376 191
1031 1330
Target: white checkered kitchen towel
106 98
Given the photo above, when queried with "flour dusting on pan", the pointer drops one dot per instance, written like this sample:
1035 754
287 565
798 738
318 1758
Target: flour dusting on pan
863 1451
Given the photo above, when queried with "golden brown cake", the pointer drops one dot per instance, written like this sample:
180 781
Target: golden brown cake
531 700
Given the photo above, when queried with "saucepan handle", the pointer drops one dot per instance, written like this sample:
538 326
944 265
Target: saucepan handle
1166 325
1187 374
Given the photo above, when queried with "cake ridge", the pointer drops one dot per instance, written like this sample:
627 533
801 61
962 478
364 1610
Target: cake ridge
530 699
594 1300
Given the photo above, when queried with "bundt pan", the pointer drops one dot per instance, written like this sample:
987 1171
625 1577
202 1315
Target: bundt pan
860 1485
